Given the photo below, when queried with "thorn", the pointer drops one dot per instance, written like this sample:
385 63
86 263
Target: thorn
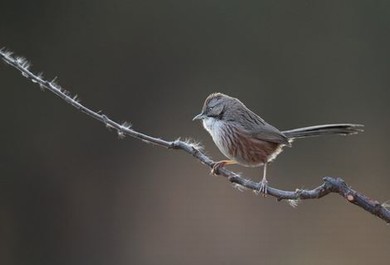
239 187
386 205
293 203
42 86
39 75
126 125
22 62
121 135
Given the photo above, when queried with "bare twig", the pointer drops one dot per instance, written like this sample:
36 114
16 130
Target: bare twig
330 184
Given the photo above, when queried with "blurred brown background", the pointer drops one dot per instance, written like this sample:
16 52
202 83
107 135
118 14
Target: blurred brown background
71 192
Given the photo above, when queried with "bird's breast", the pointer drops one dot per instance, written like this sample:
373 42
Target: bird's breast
239 146
217 129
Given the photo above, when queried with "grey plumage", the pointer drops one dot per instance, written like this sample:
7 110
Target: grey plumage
326 129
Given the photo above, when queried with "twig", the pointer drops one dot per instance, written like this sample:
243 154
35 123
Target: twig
330 185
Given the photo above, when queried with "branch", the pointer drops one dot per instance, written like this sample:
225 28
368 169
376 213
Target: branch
330 184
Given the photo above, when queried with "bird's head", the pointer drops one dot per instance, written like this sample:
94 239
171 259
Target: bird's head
215 106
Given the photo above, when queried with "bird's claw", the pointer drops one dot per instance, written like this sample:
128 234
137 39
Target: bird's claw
216 167
263 187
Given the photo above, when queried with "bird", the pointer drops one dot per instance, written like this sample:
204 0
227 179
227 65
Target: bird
246 139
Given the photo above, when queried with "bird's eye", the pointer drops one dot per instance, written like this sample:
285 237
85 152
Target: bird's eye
210 108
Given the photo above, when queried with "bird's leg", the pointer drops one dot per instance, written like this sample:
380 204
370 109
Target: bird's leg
264 183
220 164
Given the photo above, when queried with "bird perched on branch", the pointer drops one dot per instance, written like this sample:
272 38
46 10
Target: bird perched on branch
246 139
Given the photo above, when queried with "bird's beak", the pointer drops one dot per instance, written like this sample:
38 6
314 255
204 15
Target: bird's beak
200 116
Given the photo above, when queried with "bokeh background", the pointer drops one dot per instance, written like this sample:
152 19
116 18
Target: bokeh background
71 192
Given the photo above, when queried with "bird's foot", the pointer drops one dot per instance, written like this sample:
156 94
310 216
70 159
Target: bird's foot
263 187
220 164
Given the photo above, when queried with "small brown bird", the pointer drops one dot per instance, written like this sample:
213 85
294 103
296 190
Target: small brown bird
246 139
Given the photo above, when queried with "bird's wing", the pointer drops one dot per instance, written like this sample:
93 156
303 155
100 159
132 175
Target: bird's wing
263 131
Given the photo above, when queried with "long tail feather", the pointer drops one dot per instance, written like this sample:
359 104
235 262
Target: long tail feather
326 129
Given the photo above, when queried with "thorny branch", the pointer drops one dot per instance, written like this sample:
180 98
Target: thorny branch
330 184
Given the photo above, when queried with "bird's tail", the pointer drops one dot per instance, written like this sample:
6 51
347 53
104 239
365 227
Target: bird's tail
326 129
